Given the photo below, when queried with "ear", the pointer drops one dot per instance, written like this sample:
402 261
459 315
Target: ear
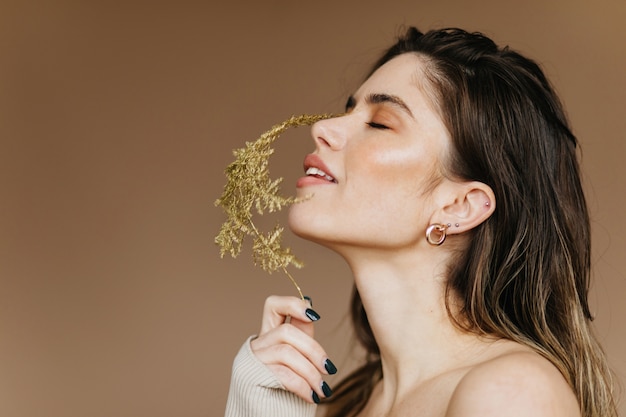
467 205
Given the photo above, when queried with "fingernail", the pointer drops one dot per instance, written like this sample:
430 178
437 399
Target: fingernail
306 297
311 314
316 398
330 367
326 389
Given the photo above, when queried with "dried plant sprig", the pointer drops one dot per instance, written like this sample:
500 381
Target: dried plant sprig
248 186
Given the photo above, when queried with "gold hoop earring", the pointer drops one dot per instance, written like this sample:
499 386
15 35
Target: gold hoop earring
436 234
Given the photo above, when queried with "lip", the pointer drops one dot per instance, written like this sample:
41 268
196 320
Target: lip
314 161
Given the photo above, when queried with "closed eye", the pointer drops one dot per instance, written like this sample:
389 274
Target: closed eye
377 125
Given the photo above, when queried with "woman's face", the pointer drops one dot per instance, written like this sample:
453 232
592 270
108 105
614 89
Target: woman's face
374 170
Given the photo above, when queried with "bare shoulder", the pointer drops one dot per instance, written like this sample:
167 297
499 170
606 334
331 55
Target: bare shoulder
519 383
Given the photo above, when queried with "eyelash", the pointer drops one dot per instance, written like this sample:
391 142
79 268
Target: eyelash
375 125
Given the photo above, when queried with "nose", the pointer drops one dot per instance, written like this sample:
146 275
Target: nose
330 133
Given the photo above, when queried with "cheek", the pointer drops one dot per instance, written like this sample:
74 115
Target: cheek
404 169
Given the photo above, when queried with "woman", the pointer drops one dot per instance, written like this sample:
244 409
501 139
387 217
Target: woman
452 189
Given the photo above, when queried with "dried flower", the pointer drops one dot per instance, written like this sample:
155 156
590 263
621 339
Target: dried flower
249 186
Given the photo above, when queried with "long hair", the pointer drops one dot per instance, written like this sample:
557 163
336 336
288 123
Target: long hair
524 274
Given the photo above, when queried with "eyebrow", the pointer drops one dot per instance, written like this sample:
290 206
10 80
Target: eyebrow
381 98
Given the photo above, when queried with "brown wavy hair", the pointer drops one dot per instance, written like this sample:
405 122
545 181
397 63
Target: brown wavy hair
524 274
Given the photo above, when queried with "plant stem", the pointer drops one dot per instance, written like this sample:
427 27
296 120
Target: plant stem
293 281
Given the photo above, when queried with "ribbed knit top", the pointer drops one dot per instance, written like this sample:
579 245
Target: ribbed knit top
256 392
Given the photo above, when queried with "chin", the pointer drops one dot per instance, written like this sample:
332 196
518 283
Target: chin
304 224
298 222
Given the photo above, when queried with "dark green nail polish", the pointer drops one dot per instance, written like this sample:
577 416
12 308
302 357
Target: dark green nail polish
316 398
311 314
326 389
330 367
306 297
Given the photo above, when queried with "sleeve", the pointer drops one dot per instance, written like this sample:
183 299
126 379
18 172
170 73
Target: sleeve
256 392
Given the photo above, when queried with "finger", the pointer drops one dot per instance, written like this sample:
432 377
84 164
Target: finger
307 347
296 374
278 308
312 317
293 383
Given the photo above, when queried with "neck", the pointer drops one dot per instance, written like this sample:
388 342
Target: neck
404 297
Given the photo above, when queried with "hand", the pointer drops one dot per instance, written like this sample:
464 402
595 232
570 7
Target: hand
286 346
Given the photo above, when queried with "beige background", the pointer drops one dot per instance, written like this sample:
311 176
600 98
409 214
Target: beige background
116 123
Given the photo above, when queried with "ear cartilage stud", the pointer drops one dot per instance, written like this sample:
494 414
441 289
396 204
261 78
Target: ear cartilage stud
456 224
